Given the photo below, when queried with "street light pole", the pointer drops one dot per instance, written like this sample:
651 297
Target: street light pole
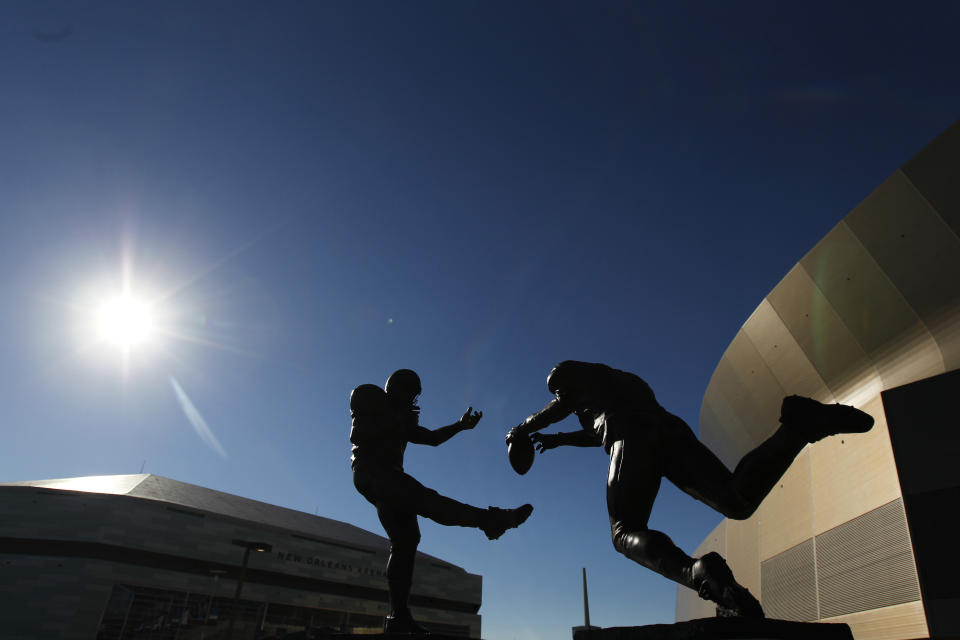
216 573
248 546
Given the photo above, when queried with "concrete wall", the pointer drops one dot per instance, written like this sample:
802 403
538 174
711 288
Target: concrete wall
62 552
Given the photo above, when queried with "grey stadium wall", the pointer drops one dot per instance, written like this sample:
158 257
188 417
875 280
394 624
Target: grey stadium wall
142 556
872 309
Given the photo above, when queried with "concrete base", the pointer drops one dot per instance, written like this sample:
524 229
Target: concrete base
723 629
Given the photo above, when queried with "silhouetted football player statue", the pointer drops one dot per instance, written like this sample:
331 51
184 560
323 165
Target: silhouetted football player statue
618 411
383 421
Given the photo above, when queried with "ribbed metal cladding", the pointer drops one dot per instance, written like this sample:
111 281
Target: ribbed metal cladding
787 584
867 563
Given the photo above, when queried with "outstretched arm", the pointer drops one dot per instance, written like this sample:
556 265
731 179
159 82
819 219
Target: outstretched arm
434 437
581 438
555 411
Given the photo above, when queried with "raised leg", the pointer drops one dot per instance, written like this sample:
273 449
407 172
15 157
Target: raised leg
404 493
698 472
695 469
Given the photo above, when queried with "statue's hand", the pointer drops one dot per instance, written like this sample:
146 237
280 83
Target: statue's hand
514 434
470 418
542 441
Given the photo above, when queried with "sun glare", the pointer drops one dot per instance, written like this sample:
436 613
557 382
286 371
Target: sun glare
125 322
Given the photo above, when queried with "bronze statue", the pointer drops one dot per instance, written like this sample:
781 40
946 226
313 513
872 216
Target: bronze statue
618 411
383 421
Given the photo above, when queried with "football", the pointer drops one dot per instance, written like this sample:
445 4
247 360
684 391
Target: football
520 452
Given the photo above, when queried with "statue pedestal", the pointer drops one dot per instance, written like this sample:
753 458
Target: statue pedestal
722 629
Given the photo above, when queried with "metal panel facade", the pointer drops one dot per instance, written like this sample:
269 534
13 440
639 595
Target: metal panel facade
874 305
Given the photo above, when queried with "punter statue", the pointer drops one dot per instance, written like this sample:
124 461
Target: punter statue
618 411
383 421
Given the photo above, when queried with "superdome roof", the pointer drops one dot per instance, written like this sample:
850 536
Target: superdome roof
874 305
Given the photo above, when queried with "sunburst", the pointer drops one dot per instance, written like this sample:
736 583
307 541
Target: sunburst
126 322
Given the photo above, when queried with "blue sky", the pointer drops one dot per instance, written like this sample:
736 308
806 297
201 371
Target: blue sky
316 194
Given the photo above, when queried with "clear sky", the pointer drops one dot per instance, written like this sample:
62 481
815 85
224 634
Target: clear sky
310 195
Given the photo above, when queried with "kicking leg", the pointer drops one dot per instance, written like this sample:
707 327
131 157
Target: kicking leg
403 492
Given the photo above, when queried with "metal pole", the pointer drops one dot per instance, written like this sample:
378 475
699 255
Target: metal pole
126 616
185 612
213 591
236 596
586 604
263 618
168 617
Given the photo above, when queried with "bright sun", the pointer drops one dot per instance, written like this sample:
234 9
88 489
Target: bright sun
125 322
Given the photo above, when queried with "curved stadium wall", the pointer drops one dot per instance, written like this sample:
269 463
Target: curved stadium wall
856 530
